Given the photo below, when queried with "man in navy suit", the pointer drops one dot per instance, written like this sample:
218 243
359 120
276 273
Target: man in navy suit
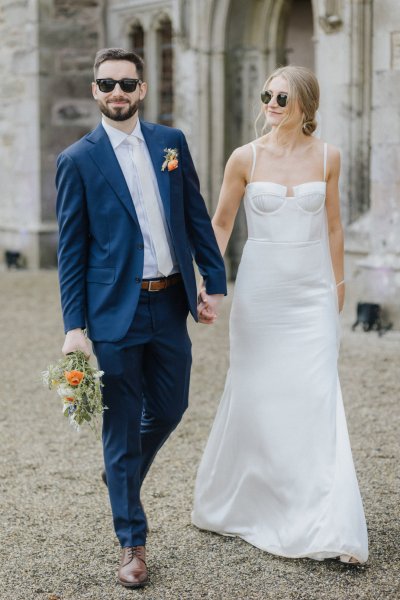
131 218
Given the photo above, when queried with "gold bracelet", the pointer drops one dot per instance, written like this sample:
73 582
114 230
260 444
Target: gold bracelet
340 283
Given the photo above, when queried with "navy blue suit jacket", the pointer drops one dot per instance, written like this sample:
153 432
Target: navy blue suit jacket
100 253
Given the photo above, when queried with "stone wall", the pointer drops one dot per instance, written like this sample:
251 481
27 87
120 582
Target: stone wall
379 276
46 61
46 64
19 128
70 33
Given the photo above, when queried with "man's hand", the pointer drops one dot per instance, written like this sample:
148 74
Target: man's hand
208 307
76 340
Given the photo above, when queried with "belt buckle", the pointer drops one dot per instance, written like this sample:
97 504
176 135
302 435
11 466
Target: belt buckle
150 288
161 282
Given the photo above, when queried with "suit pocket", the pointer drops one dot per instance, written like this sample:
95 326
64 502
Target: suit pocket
100 275
175 183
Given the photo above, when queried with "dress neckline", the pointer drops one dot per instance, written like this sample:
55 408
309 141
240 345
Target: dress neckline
285 187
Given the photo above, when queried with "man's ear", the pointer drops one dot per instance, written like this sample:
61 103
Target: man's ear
143 91
94 90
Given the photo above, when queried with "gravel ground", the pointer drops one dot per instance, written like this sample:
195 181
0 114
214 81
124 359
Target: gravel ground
56 537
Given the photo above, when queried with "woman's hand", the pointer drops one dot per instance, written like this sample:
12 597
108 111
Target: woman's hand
208 306
340 296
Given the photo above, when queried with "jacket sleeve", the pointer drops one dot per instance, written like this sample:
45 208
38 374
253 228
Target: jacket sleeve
201 234
73 241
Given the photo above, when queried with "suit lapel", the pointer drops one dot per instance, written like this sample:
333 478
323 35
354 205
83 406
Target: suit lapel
156 143
104 156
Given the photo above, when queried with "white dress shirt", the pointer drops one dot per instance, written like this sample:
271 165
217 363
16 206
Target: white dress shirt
122 151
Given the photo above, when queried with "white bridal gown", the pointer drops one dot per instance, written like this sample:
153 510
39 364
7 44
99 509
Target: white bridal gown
277 470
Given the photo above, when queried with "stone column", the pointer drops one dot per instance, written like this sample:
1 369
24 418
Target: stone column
19 130
379 276
46 64
333 71
152 72
70 33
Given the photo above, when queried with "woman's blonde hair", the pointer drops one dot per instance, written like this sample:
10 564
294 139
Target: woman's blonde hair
303 88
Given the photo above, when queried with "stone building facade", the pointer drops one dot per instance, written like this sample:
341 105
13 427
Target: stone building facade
206 61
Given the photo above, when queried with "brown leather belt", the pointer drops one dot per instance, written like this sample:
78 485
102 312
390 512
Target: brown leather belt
156 285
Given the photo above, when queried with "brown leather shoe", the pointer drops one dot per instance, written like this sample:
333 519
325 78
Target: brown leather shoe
132 570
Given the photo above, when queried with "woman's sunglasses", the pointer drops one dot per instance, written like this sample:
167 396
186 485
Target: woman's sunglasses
126 85
282 99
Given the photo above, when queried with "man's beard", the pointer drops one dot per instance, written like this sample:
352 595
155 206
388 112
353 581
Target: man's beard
119 113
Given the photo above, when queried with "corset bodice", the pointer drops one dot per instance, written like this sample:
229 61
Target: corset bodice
275 217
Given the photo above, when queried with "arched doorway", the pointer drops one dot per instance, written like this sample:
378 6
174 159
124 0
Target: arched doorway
136 37
299 45
166 75
259 37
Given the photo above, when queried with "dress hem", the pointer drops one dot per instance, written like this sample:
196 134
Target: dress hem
331 554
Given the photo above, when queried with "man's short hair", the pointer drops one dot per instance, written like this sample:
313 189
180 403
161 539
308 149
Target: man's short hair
118 54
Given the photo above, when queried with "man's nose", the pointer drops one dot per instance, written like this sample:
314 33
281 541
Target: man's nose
117 90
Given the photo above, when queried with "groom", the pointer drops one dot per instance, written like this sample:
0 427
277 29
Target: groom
131 218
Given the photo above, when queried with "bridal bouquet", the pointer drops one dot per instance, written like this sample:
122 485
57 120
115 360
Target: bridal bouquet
79 385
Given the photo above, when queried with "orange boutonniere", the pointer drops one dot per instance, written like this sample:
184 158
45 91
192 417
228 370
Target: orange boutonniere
171 159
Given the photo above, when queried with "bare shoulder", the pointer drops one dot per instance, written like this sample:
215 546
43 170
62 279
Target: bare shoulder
242 155
240 160
333 152
333 160
318 145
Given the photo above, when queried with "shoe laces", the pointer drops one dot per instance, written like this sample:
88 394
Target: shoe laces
134 552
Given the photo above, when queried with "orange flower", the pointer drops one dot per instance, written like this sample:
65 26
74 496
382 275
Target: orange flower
171 159
69 399
173 164
74 377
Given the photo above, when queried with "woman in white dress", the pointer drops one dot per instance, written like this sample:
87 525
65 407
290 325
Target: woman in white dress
277 470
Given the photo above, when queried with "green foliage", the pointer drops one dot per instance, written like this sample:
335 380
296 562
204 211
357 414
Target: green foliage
79 385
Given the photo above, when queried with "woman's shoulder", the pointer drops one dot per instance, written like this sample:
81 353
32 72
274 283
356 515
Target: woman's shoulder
332 150
332 153
241 156
243 151
333 158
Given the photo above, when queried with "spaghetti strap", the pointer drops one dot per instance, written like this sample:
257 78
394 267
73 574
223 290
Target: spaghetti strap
253 147
325 157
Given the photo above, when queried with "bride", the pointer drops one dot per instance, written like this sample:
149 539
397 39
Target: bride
277 470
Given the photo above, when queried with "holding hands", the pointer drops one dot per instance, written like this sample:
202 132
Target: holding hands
208 306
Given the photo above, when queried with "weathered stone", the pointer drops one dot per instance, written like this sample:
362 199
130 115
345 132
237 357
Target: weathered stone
38 106
223 52
380 270
75 9
73 60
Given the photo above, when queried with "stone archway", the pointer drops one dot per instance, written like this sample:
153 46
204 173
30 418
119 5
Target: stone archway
299 46
259 36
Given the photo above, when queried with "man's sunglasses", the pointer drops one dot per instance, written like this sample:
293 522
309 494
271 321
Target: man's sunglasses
126 85
282 99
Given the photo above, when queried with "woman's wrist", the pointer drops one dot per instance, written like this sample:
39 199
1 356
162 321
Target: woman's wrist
341 283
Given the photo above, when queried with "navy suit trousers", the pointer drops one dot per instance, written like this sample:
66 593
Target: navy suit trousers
146 385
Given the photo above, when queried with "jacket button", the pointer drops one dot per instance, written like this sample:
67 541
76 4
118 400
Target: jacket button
140 246
137 279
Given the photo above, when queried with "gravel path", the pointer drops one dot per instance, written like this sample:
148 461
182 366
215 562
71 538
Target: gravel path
56 538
